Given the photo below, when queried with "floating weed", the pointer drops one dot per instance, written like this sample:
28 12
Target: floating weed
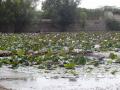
117 60
110 61
20 52
41 67
80 60
73 72
59 47
89 69
1 64
114 72
96 63
112 56
69 66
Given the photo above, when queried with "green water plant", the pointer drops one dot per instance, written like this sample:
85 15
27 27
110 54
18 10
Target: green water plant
114 72
73 72
0 64
94 62
69 66
117 60
112 56
80 60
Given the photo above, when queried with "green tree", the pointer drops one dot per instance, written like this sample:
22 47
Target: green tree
16 12
62 12
113 25
83 18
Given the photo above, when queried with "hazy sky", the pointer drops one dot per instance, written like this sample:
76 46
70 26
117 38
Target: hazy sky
99 3
95 3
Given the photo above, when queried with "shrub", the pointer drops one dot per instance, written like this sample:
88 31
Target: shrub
113 25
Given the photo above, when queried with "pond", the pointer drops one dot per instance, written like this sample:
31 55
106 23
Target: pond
31 78
63 61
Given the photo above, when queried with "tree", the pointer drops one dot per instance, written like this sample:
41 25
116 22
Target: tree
113 25
16 12
62 12
81 17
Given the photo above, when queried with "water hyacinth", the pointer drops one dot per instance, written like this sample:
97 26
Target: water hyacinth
77 50
97 46
39 47
66 49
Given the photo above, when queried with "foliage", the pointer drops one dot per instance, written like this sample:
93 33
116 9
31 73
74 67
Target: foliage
114 72
112 56
113 9
94 62
0 64
117 60
113 25
73 72
53 49
62 12
16 12
83 18
91 13
20 52
80 60
69 66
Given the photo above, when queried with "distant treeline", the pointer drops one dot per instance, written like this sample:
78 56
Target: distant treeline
62 13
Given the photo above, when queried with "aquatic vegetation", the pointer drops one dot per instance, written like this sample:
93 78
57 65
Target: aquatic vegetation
112 56
117 60
96 63
80 60
0 64
110 61
73 72
56 49
93 62
69 66
41 67
114 72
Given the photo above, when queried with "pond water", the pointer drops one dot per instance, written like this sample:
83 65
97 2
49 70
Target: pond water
31 78
88 77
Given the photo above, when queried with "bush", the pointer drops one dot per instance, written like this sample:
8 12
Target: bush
113 25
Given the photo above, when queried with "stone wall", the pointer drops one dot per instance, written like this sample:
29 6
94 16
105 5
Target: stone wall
116 17
91 25
95 25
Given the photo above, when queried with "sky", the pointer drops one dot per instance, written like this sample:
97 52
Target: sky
92 4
